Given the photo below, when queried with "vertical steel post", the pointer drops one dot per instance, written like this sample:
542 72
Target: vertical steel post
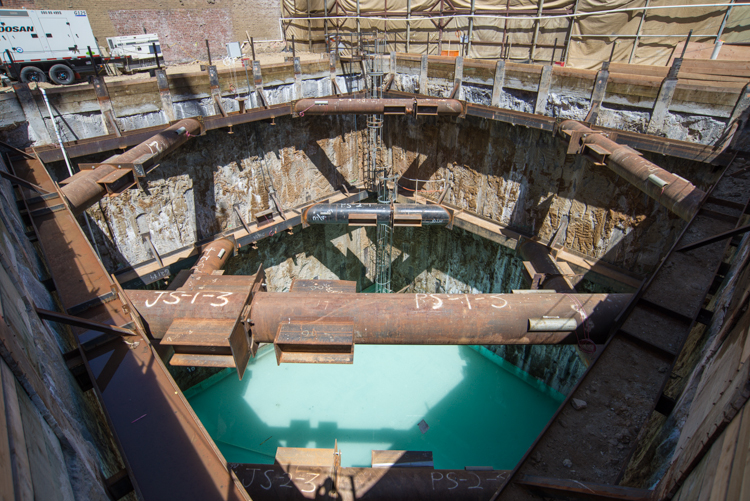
570 32
325 22
309 28
471 28
408 24
537 25
638 35
208 51
723 23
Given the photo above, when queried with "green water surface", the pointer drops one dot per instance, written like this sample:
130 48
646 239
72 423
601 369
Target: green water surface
478 413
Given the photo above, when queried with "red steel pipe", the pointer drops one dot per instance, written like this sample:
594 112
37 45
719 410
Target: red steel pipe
85 191
394 106
214 256
673 192
395 318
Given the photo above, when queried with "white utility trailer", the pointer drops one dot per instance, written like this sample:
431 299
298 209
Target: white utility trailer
137 52
38 45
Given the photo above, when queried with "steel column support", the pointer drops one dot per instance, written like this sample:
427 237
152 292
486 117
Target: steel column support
497 84
423 73
166 96
434 319
675 193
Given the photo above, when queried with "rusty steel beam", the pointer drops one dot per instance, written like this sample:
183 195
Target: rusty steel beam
539 256
371 214
86 190
393 106
675 193
394 318
293 482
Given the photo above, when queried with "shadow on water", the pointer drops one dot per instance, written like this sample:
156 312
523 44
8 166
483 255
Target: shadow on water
477 414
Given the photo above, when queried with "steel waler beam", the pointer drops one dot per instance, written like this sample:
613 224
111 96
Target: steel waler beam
675 193
543 263
87 187
391 106
372 214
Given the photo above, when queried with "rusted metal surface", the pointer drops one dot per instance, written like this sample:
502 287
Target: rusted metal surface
675 193
543 263
394 318
372 214
292 482
152 423
214 256
439 318
161 308
87 189
393 106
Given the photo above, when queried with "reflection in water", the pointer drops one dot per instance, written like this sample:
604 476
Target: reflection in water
478 414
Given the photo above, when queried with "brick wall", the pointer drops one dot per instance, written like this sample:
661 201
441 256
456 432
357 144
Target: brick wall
186 22
182 32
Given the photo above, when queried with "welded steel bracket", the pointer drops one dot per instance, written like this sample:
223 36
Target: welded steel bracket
664 99
545 80
597 94
258 81
313 342
167 106
497 84
105 105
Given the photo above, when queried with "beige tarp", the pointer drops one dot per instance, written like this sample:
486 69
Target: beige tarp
591 37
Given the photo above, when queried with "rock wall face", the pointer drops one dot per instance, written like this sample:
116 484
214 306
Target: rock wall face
523 179
193 194
67 445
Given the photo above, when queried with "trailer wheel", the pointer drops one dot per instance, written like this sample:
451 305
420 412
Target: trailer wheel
32 74
62 74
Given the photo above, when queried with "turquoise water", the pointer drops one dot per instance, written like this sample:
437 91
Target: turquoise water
478 413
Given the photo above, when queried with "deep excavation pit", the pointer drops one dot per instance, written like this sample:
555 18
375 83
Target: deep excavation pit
483 405
478 406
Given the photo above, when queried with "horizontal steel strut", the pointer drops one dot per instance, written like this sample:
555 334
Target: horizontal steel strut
389 318
88 186
673 192
389 106
371 214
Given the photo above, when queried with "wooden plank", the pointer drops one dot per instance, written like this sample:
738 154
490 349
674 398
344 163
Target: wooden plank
729 444
287 456
736 477
744 469
639 69
693 484
717 67
402 459
19 457
712 464
6 466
